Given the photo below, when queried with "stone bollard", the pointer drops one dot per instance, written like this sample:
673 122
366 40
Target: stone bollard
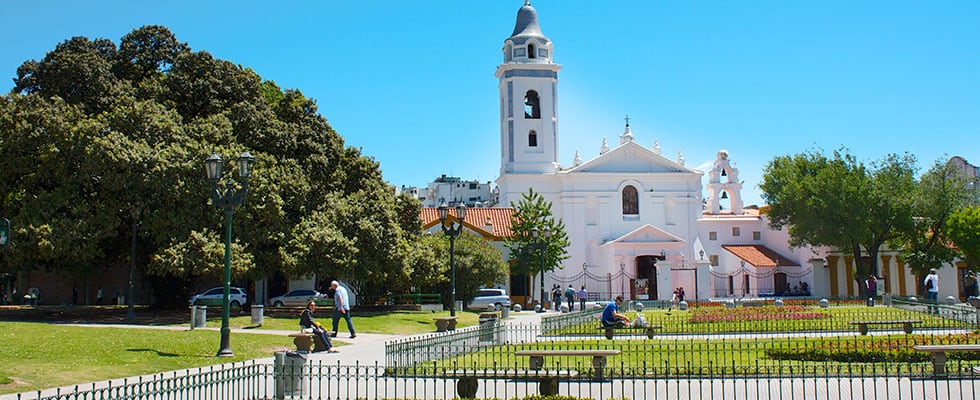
638 306
730 304
517 308
682 305
778 303
950 300
914 299
824 303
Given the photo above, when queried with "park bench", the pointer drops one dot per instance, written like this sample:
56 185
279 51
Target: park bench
648 330
467 384
304 341
906 324
598 357
445 324
938 352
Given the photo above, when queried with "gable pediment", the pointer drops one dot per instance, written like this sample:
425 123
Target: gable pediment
631 158
647 234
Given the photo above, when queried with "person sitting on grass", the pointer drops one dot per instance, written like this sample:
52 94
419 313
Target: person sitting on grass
611 316
306 321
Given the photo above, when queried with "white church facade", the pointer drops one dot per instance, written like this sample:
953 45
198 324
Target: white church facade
640 223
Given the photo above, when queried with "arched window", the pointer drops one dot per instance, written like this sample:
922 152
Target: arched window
532 105
631 202
530 51
532 139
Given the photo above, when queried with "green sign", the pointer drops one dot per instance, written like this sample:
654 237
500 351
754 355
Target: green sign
4 232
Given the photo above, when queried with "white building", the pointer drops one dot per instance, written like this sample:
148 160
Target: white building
453 190
639 222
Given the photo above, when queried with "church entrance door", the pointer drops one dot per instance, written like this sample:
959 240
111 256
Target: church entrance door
646 276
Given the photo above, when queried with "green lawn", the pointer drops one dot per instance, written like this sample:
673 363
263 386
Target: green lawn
37 355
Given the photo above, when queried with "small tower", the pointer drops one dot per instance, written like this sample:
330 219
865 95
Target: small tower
723 183
528 99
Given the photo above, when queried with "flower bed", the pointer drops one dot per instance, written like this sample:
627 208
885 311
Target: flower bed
766 313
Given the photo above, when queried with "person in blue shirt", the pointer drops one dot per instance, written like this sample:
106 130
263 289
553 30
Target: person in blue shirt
611 315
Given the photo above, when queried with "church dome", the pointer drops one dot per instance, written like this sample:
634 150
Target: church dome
527 26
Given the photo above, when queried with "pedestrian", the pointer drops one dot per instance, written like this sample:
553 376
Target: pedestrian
582 296
341 309
98 296
611 316
556 297
570 297
306 321
74 295
680 294
932 290
872 285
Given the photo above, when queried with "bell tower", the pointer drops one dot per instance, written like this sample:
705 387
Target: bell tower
528 99
723 184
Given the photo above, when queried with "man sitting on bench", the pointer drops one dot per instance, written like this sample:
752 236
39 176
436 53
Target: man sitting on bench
611 318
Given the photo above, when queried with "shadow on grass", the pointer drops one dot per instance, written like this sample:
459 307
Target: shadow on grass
159 353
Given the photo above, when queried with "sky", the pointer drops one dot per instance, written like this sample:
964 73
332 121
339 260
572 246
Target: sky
412 83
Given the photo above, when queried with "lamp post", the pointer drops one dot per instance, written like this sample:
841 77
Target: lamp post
452 231
228 197
585 273
541 243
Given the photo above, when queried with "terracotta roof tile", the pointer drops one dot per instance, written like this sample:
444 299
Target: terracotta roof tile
759 255
476 219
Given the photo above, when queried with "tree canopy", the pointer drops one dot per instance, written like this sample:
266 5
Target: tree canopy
839 202
98 137
531 255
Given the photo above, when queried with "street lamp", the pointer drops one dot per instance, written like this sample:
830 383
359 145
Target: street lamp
585 273
541 245
452 231
622 278
228 197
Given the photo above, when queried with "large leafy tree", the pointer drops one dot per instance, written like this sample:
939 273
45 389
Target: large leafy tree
940 192
478 264
532 255
102 143
963 229
839 202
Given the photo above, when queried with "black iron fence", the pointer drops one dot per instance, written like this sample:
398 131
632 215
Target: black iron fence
317 380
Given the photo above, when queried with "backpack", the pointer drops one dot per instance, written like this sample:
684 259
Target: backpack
929 283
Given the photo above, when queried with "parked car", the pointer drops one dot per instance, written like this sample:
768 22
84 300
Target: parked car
486 297
299 298
215 297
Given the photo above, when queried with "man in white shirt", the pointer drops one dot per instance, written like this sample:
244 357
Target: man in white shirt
932 289
341 309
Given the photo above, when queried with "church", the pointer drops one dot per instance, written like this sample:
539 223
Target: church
642 224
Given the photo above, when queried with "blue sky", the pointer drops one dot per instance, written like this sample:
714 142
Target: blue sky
411 82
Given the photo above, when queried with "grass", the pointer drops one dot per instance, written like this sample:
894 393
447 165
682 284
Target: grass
36 355
391 323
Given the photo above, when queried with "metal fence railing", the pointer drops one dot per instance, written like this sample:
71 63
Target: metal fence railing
318 380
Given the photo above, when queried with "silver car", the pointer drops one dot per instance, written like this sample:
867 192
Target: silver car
490 297
215 297
299 298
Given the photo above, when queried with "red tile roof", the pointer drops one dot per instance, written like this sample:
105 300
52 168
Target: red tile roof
476 219
759 255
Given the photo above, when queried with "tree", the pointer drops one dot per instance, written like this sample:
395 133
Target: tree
478 264
103 153
940 192
963 229
838 202
530 255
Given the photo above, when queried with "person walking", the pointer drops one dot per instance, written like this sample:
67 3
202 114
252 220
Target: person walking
582 297
932 290
570 297
341 309
98 296
872 285
306 321
556 297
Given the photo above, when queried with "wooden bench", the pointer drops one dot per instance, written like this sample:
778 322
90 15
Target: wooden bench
649 330
467 384
906 324
939 354
598 357
305 341
445 324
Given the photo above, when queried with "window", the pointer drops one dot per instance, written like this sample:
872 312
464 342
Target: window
756 235
631 202
736 231
530 51
532 105
712 235
713 259
532 139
